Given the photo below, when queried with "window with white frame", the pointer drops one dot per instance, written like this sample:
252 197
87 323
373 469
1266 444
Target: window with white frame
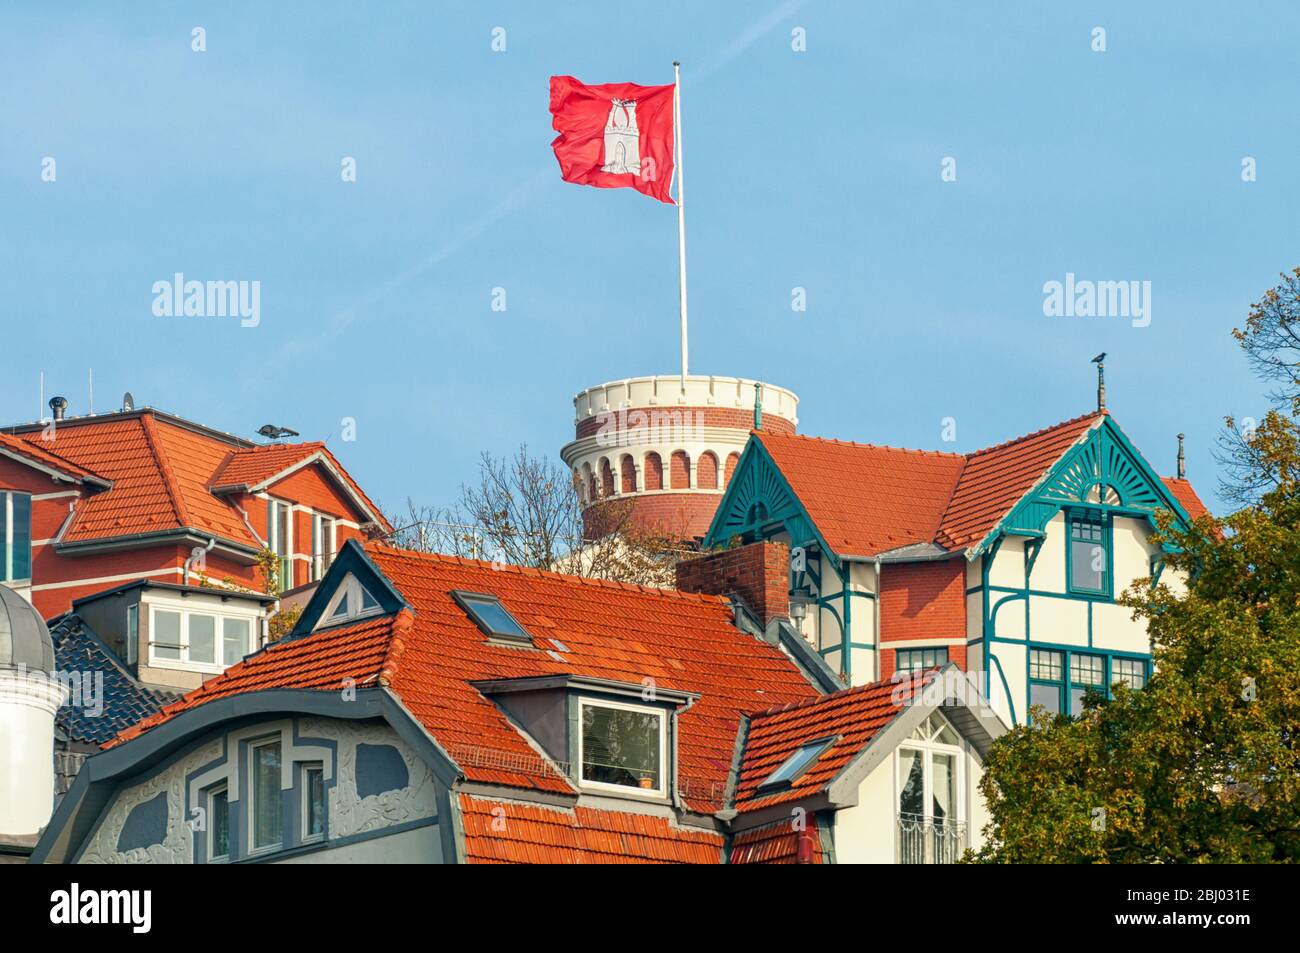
15 536
267 828
279 528
323 541
351 601
622 747
928 768
200 639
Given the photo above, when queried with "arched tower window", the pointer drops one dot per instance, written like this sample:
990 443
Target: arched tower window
627 474
706 473
732 460
606 478
681 470
654 471
590 480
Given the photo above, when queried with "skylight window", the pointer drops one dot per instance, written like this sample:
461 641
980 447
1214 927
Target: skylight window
794 766
492 617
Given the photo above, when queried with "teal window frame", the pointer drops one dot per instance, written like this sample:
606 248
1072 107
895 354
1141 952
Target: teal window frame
1069 680
15 536
1102 518
905 659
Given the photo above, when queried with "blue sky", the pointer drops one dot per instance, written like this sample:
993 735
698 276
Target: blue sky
817 169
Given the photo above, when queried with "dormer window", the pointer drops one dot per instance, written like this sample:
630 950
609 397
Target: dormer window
794 767
492 617
622 746
351 601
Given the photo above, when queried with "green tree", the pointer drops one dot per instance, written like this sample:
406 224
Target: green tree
1203 765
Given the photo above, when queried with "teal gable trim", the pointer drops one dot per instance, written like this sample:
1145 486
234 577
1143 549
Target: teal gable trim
1106 457
757 497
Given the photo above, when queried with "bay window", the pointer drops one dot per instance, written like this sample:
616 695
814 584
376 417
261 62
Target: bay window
15 536
622 746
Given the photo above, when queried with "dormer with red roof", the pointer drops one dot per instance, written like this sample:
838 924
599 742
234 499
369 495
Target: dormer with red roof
1006 561
95 503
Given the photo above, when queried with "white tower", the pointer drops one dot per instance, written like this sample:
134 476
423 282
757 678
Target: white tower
29 698
622 139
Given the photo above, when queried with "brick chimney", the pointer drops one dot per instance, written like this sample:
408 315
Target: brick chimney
758 574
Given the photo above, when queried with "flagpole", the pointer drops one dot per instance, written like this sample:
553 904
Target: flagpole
681 209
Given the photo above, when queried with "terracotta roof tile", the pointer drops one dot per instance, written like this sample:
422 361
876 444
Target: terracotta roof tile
34 451
777 843
510 832
1187 496
855 715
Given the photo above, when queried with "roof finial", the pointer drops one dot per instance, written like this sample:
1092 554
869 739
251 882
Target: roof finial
758 405
1182 461
1100 361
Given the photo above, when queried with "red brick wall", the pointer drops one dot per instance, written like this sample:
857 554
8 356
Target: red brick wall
654 472
758 573
923 600
681 470
707 471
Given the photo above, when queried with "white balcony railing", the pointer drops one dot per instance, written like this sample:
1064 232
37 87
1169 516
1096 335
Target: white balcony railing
930 840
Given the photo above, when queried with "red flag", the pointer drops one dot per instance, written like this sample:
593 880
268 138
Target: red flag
614 136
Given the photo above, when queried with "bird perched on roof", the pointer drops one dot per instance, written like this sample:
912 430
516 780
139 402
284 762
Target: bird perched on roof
272 432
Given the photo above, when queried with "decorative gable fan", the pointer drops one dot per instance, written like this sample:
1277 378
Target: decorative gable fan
351 601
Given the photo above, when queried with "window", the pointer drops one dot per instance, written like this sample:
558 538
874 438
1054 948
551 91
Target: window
279 523
622 746
1089 553
1046 680
1086 671
350 601
218 823
267 813
313 801
234 639
1131 671
794 766
929 772
206 641
918 660
491 616
323 532
15 537
1049 687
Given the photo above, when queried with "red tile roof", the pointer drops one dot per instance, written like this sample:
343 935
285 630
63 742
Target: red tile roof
33 451
1182 490
866 499
855 715
594 628
509 832
777 843
161 474
996 478
252 465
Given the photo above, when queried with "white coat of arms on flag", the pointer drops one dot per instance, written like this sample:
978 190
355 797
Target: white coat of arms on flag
622 139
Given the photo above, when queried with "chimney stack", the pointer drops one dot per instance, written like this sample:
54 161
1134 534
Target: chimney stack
758 574
58 405
1182 460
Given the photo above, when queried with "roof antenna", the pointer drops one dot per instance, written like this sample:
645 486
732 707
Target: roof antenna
1182 461
92 391
1100 361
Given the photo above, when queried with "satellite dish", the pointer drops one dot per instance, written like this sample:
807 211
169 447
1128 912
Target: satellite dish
128 402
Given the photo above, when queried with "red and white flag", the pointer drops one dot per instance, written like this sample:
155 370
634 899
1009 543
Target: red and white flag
618 135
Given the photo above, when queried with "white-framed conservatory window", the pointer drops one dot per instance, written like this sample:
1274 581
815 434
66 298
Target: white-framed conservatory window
930 782
622 747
